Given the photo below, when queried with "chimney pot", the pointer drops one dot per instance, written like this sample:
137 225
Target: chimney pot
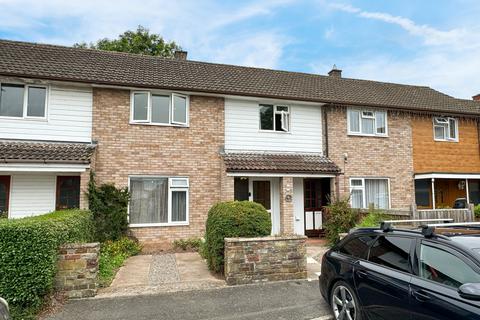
335 72
476 97
180 55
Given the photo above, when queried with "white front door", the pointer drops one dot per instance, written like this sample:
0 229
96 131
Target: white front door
265 192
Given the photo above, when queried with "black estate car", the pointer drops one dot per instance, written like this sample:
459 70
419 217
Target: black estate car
388 273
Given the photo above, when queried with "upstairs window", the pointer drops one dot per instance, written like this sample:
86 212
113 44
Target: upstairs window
161 109
274 118
367 122
23 101
445 129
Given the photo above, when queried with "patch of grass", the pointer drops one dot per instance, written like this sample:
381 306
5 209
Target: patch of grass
193 244
112 256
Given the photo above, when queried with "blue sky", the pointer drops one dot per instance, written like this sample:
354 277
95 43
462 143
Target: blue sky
432 43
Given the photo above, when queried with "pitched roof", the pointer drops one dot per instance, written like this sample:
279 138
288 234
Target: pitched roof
114 68
45 152
279 163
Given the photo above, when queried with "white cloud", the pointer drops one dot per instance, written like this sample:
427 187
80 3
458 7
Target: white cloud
199 26
447 60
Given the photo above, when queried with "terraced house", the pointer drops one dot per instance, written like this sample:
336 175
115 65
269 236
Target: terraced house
183 135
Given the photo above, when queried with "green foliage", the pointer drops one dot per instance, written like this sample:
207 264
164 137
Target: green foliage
140 41
28 255
3 215
476 211
109 206
373 219
233 219
193 244
112 256
340 218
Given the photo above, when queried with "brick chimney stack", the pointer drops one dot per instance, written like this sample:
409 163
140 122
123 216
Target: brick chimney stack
335 72
477 97
180 55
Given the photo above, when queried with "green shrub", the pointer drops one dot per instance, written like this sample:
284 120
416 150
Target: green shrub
373 219
188 244
112 256
28 254
476 211
340 218
233 219
109 207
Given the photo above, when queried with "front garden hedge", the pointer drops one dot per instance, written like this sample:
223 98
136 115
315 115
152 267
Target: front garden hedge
28 254
233 219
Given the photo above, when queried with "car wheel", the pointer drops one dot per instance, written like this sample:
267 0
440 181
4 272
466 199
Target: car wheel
344 303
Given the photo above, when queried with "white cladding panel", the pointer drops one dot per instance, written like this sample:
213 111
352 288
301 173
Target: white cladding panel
69 118
242 130
32 194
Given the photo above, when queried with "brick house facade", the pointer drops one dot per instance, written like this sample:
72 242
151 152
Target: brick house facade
386 157
126 149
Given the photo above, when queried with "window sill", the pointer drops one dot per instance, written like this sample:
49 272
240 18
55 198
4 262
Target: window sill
39 119
147 225
368 135
273 131
441 140
160 124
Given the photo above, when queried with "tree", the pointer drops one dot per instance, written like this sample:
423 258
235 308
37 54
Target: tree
140 41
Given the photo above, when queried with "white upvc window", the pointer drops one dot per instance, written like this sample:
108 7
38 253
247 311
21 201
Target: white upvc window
158 201
23 101
445 129
367 122
159 108
274 118
366 192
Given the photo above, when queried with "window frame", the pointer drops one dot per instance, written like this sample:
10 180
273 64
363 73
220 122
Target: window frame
287 114
171 96
57 191
446 127
25 101
468 260
362 187
373 117
171 189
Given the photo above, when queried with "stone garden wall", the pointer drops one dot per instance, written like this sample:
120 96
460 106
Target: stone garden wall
251 260
77 270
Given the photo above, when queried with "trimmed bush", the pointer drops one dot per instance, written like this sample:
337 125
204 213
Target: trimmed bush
28 254
109 206
232 219
340 218
476 211
373 219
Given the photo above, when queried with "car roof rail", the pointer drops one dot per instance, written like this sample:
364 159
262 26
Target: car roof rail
445 220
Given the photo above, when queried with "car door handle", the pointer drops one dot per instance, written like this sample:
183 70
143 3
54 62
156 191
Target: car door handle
421 295
362 274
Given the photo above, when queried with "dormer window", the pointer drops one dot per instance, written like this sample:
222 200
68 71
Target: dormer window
23 101
445 129
274 118
159 108
367 122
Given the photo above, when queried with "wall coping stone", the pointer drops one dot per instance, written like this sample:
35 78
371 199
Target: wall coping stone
268 238
80 245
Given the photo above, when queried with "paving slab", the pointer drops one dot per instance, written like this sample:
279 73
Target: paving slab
134 272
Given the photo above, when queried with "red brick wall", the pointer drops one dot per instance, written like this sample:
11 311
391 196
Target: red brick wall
131 149
389 157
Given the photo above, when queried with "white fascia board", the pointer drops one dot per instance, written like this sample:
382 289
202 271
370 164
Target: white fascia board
39 167
447 176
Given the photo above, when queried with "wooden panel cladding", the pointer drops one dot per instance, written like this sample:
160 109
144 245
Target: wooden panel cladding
442 156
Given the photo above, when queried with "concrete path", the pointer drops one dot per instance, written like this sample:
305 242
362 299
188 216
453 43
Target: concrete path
292 300
153 274
314 254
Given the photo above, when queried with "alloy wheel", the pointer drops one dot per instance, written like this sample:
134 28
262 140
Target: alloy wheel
343 304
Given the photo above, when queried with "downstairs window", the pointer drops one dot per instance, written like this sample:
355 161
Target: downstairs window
158 200
366 192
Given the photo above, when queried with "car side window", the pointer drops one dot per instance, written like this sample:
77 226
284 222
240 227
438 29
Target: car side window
358 246
392 252
444 267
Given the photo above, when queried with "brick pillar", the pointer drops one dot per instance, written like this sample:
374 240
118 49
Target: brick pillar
84 178
286 205
226 185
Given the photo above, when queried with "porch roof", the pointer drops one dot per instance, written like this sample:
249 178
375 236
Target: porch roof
12 151
279 163
441 175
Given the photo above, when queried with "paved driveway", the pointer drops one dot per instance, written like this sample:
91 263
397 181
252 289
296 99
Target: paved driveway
280 301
